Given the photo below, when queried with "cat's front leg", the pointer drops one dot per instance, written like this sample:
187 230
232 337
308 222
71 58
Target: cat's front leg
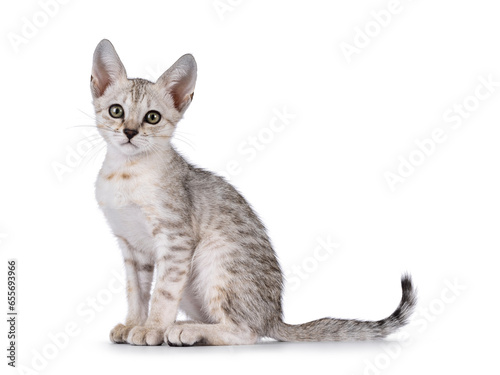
139 269
174 253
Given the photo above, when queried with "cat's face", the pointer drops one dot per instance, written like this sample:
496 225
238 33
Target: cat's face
136 116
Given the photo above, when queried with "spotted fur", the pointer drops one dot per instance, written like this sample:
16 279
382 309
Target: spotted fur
212 255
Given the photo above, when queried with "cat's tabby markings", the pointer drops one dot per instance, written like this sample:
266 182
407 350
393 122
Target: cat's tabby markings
212 255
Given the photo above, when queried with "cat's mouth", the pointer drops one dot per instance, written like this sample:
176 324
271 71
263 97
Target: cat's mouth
128 147
129 142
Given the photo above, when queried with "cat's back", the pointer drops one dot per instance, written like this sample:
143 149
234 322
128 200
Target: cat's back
221 210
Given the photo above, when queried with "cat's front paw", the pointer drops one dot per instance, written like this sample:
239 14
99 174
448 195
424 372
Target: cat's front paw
144 335
119 333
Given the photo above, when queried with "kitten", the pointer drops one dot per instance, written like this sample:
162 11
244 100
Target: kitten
212 256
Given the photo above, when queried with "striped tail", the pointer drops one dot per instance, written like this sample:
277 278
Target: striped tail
329 329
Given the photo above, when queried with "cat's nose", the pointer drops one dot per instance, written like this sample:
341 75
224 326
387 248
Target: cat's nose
130 133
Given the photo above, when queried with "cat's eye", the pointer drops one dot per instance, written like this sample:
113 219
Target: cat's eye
152 117
116 111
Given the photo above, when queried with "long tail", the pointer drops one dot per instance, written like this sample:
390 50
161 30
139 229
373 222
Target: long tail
329 329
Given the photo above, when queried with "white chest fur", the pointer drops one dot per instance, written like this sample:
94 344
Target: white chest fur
125 186
124 193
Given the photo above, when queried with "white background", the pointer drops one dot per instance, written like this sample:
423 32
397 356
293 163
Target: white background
322 176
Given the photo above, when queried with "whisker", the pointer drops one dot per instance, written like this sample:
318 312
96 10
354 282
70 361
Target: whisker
86 114
92 139
155 148
81 126
187 142
92 153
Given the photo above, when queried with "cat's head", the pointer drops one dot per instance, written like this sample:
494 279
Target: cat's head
135 115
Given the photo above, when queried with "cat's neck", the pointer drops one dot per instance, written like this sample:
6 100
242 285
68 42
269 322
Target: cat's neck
159 159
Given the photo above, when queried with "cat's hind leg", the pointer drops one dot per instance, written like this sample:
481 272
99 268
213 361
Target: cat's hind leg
188 334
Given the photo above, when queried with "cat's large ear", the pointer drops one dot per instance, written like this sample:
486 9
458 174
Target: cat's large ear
179 81
106 69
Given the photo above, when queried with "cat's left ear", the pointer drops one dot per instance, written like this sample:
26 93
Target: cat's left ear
107 68
179 81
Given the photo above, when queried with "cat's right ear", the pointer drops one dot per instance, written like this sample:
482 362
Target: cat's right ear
106 68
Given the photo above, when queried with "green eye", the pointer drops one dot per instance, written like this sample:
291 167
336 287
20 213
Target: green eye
116 111
152 117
